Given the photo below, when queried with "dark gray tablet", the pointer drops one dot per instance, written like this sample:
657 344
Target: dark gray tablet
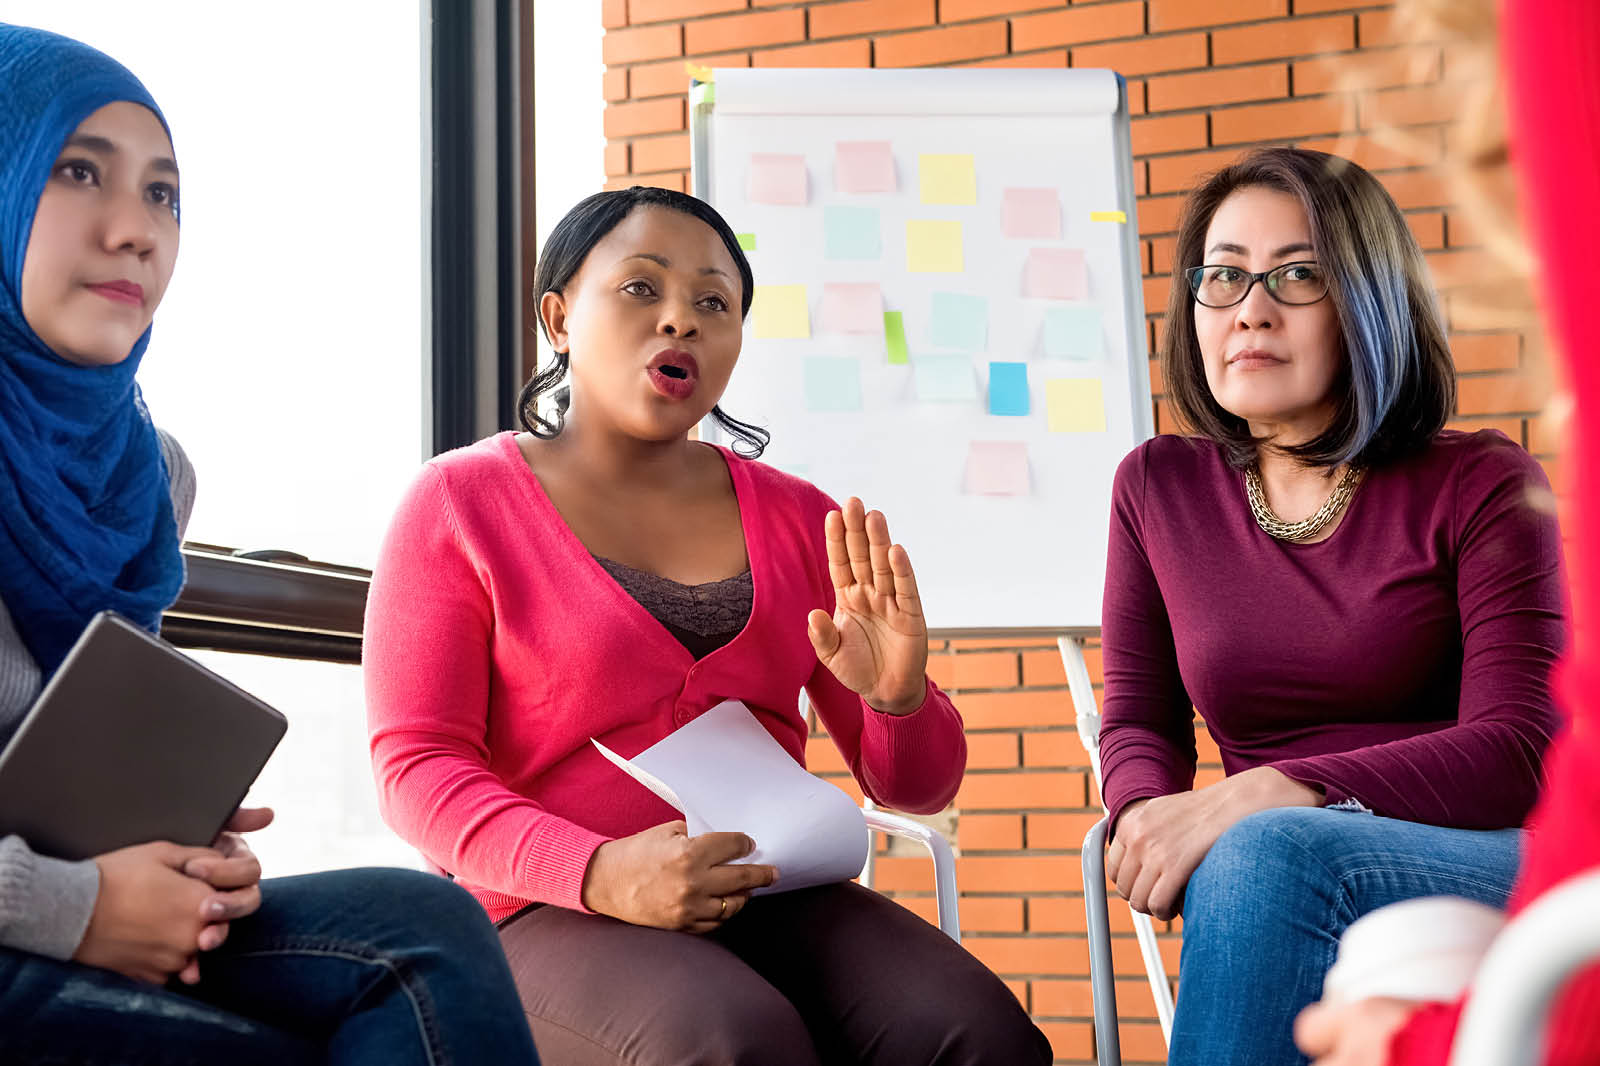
131 741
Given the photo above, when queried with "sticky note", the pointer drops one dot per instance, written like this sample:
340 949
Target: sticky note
1055 274
944 378
933 246
699 72
852 307
894 338
747 241
996 468
1008 388
959 321
777 179
947 179
832 384
863 166
1031 213
1076 405
1072 332
1108 216
851 233
780 312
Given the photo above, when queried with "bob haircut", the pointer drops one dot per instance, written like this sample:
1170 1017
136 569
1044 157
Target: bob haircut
565 250
1396 384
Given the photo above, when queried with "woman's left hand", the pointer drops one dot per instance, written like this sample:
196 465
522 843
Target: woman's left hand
235 879
1351 1034
876 643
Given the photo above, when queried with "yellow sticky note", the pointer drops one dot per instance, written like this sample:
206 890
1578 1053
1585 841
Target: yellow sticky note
780 312
1108 216
948 179
699 72
1076 405
933 246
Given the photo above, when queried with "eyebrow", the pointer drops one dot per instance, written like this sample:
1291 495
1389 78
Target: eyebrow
1239 249
664 261
93 143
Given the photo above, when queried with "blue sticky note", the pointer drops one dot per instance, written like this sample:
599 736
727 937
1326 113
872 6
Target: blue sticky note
1008 388
851 233
959 321
944 378
1072 332
832 384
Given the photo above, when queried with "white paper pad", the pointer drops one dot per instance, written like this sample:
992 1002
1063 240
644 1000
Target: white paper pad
726 773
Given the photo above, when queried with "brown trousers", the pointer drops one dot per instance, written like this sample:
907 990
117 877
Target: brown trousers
835 975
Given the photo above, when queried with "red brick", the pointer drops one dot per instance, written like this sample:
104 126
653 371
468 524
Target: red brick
1206 748
908 874
1485 351
991 915
928 48
1020 791
1462 229
1045 668
1059 832
964 10
855 53
1125 957
992 751
1493 394
1087 22
1065 914
672 77
745 31
1310 7
1456 268
1053 749
1179 173
1141 1042
1159 214
942 669
1281 121
1213 87
990 643
1031 954
642 11
869 16
824 757
1167 133
1053 58
989 832
1381 27
662 153
1548 433
616 158
614 84
1187 14
1411 106
647 116
680 183
1070 1040
1391 150
1416 188
1000 710
1382 69
1511 427
1156 291
1282 39
1149 55
613 14
986 670
1071 998
646 42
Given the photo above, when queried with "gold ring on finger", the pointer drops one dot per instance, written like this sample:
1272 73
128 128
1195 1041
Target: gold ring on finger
722 912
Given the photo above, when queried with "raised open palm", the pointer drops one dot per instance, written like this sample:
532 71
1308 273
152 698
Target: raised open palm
876 643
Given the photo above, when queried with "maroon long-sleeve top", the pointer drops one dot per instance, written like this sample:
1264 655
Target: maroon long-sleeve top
1402 663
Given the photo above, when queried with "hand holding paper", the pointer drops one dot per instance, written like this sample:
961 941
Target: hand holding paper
876 643
667 879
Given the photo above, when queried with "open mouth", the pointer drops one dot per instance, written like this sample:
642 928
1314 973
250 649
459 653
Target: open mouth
673 373
671 370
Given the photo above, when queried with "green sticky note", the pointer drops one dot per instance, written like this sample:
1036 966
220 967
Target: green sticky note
780 312
894 337
851 233
944 378
933 246
1072 332
959 321
948 179
1076 405
747 241
832 384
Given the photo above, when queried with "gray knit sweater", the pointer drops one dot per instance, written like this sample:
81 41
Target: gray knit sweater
45 903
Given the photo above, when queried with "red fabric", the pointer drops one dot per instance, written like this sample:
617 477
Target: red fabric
1552 56
496 646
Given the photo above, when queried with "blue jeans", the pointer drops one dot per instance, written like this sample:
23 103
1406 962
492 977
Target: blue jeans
1263 914
352 966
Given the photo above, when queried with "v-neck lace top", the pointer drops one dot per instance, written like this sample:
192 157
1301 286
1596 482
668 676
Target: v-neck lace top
497 646
701 617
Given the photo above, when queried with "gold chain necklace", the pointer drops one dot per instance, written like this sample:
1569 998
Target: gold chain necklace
1309 526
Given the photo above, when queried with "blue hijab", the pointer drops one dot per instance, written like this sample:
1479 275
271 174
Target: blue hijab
86 520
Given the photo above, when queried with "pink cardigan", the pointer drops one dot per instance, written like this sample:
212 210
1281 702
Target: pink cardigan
496 647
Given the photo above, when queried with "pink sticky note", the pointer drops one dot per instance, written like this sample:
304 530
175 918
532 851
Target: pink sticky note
997 468
852 307
1055 274
777 179
1032 213
863 166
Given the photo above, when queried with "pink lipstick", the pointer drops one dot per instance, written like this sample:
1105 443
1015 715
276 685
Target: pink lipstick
673 373
122 292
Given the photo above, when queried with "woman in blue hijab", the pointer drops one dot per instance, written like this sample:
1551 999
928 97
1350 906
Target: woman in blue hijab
159 953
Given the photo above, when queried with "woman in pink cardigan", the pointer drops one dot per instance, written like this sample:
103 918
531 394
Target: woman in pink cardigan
604 575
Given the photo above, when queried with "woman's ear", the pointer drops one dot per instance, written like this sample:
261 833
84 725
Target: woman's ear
553 313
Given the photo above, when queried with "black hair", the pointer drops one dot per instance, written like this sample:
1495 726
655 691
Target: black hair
569 245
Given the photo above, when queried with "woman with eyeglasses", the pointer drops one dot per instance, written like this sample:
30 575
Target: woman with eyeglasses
1363 606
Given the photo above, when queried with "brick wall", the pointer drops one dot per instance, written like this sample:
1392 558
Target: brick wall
1207 79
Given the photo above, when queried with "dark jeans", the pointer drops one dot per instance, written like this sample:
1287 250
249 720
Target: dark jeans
835 974
352 966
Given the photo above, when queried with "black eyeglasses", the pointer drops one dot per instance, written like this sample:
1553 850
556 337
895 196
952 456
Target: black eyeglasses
1294 284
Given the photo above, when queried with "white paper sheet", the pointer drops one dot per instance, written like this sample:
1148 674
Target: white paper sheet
726 774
